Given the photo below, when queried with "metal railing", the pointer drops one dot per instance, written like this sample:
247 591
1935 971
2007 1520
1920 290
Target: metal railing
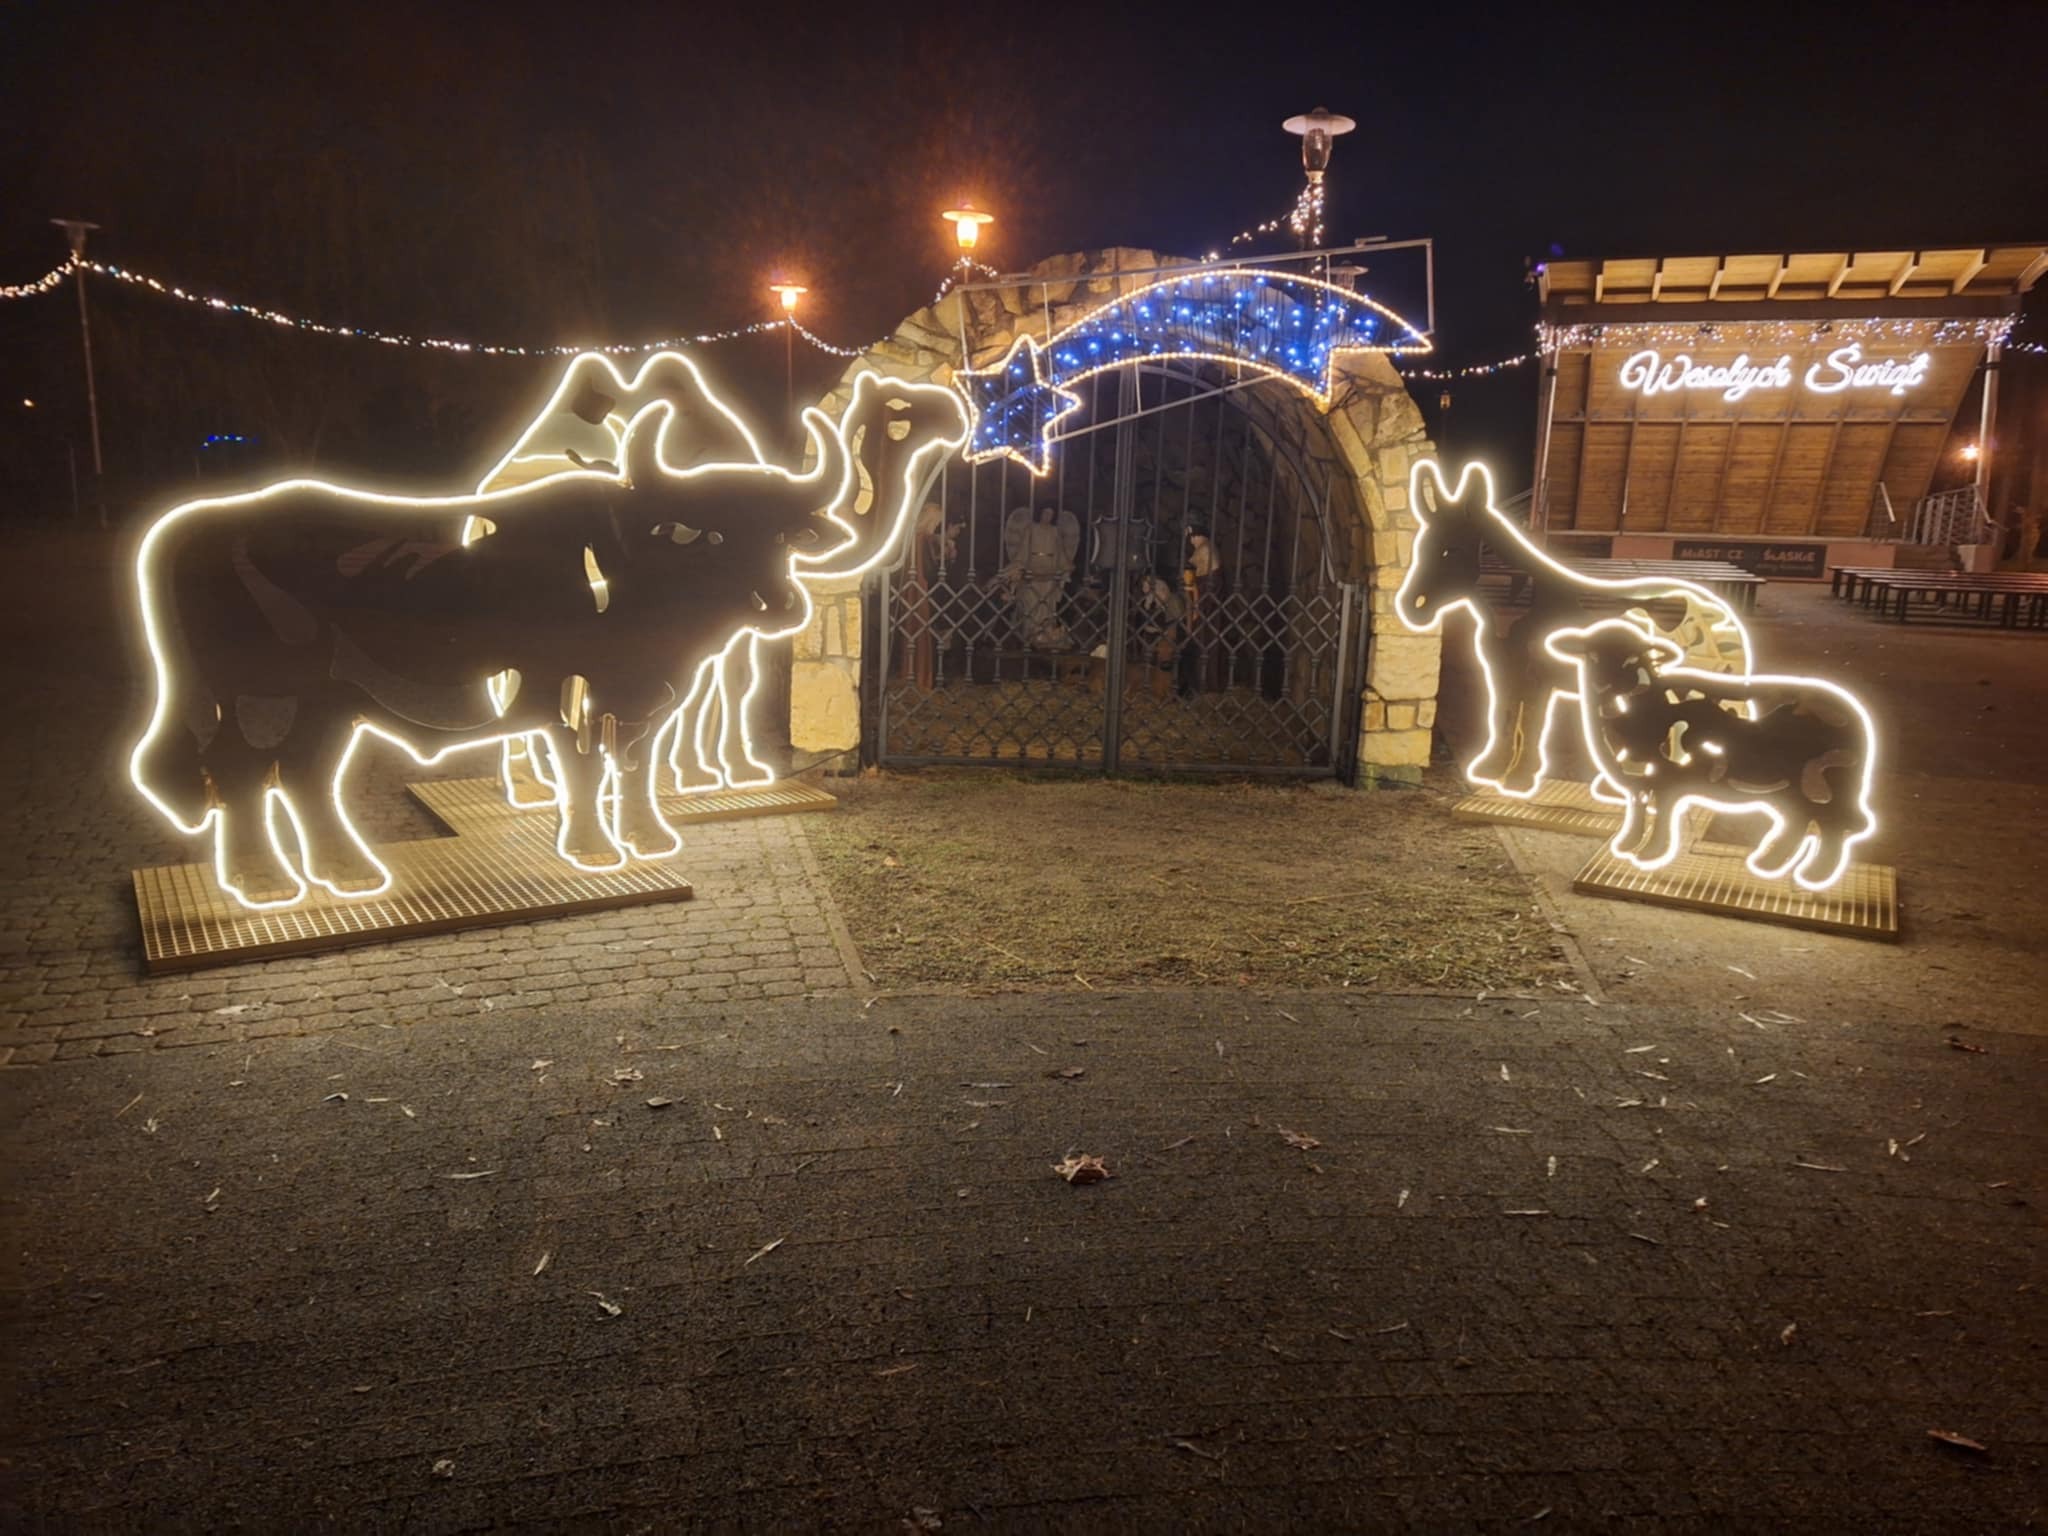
1950 518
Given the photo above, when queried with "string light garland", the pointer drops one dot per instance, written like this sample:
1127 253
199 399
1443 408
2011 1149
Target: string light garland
1471 370
1305 219
962 269
1755 333
43 284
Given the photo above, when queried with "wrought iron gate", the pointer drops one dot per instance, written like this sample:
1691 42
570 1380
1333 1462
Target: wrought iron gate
1145 649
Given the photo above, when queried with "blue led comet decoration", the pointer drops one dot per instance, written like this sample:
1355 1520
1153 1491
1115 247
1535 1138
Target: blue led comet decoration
1281 324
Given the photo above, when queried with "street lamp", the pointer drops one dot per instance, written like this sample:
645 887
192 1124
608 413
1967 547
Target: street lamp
789 293
1318 130
1970 453
967 221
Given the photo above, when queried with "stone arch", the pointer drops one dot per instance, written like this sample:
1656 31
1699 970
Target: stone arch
1373 431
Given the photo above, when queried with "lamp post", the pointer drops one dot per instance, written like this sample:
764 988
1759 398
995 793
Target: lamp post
967 221
789 293
75 231
1318 131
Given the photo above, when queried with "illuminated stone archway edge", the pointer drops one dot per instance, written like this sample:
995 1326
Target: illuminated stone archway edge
1372 431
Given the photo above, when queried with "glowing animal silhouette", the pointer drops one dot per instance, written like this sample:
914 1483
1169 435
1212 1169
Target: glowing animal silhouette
1796 750
583 609
1459 530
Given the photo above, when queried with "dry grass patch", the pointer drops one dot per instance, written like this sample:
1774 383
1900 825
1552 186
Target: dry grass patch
981 878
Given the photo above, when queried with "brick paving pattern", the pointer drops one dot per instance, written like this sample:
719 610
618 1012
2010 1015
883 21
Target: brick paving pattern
278 1307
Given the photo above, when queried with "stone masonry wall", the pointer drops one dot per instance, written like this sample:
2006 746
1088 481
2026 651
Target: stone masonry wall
1373 427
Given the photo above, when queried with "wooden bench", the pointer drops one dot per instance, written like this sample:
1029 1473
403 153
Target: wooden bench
2014 600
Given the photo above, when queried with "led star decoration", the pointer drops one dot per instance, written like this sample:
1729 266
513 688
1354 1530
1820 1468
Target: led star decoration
587 610
1016 407
1279 324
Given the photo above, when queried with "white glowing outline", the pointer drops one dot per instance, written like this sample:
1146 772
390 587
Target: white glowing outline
1635 589
817 426
1038 349
1673 834
734 726
523 750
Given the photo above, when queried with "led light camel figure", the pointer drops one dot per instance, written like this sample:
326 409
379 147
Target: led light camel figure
1795 750
582 608
583 424
1459 529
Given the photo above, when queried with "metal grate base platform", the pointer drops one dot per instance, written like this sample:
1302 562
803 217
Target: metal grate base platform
487 875
1559 805
466 805
1863 904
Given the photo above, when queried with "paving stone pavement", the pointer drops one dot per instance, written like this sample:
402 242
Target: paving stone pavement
805 1263
71 979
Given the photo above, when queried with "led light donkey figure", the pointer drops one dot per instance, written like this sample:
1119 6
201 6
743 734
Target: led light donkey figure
582 609
1795 750
1459 530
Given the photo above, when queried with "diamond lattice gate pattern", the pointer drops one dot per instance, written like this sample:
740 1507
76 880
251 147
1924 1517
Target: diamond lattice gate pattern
1179 592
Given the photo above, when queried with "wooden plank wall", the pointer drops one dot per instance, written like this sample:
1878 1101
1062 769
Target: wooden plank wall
1779 463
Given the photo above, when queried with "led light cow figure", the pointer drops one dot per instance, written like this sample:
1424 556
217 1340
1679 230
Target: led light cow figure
583 609
1796 750
1458 530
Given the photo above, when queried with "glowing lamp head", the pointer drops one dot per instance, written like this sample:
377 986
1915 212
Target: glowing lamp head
967 221
1971 452
789 293
1318 131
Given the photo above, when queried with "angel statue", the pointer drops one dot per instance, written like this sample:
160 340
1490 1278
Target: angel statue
1038 557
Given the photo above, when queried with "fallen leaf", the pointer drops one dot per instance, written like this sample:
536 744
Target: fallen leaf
611 1308
1068 1074
332 1097
542 1066
444 1468
543 1264
1950 1437
1193 1450
898 1370
1974 1050
482 1173
1786 1336
1082 1169
1297 1140
659 1103
765 1250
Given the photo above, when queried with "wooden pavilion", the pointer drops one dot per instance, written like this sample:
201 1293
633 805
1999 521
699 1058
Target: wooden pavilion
1783 411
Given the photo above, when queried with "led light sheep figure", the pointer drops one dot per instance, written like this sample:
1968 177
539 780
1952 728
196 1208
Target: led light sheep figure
1794 749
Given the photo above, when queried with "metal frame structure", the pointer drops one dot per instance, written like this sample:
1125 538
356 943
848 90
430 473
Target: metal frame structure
1268 674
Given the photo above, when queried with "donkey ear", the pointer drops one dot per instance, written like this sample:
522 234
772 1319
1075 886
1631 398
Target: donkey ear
642 453
1426 491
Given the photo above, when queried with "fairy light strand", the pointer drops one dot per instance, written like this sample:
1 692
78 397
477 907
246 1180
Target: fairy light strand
43 284
962 269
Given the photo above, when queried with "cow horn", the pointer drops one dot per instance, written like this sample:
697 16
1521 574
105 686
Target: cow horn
642 451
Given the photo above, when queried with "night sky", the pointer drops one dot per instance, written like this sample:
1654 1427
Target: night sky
564 174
